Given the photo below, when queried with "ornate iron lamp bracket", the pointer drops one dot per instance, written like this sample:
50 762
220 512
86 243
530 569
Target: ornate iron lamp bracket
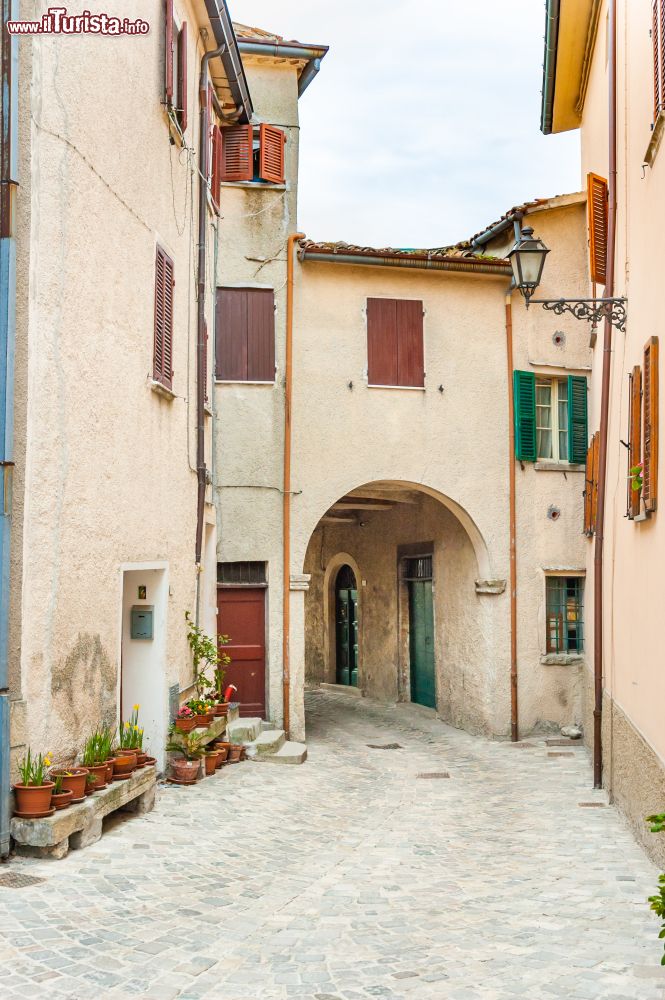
592 310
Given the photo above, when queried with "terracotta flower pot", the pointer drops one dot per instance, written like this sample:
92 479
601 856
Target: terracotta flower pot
185 725
203 720
220 710
33 799
99 771
73 778
141 758
222 754
185 770
124 764
234 756
109 769
151 761
211 763
62 799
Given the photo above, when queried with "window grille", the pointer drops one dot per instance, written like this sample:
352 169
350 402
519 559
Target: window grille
242 574
565 614
419 568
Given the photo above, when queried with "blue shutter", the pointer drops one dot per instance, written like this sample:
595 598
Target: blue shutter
524 397
578 432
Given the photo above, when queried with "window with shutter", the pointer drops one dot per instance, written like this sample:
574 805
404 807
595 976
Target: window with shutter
271 154
237 163
578 433
524 397
395 350
597 211
169 54
216 172
658 42
182 78
245 335
650 426
206 393
634 439
163 333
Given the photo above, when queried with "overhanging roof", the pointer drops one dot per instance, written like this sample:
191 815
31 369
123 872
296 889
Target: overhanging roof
570 35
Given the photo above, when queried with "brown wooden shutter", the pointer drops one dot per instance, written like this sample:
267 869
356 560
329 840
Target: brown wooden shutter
658 42
206 392
588 490
163 333
650 426
271 154
182 77
597 212
381 342
216 174
635 437
168 54
245 334
410 355
595 466
237 154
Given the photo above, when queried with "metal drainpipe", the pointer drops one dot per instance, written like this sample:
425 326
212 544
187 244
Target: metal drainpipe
8 182
514 717
598 610
201 471
286 507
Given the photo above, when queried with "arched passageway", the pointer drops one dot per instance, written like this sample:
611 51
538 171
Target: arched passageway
392 606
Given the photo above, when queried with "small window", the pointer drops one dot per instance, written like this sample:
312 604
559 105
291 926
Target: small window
395 352
242 574
175 68
245 335
565 614
253 154
419 568
552 419
163 332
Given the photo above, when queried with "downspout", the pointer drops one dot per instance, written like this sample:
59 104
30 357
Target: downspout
598 610
201 471
286 509
514 717
8 184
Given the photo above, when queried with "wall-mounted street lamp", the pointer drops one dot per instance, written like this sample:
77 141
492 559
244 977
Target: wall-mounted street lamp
527 259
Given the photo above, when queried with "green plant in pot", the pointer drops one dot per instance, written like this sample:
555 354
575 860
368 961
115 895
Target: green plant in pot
61 797
92 758
207 655
33 792
188 749
657 902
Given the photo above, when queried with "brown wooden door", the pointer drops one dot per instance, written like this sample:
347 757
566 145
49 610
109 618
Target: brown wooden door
241 614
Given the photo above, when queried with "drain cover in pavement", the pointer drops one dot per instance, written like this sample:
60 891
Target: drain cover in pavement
19 881
385 746
434 774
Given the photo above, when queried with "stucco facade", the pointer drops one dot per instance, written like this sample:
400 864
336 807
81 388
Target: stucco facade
633 678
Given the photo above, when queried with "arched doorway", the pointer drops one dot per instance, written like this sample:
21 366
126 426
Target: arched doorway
346 627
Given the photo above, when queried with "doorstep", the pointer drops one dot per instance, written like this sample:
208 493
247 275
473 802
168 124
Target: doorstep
80 825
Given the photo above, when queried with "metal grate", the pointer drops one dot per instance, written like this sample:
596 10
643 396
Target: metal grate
19 881
385 746
418 569
242 574
434 774
560 753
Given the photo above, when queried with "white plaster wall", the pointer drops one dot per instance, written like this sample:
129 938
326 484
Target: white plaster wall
109 465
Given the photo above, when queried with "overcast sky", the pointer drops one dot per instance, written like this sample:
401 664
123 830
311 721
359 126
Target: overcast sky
423 124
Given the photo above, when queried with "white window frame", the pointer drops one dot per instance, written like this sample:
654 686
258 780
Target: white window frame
554 428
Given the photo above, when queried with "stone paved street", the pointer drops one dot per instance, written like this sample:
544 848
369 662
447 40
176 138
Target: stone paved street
348 878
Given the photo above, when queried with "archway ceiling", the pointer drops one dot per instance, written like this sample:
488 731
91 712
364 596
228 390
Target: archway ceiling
377 498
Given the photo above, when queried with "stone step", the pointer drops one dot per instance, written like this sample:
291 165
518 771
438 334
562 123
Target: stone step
270 741
244 730
289 753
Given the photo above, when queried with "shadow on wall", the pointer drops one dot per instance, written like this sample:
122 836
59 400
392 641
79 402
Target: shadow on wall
84 690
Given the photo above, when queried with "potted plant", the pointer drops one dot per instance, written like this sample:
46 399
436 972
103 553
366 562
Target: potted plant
185 720
73 778
90 783
211 762
657 902
201 709
207 655
33 792
190 748
235 753
61 797
91 757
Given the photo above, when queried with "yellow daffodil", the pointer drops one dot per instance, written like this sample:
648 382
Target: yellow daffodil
126 725
136 708
136 729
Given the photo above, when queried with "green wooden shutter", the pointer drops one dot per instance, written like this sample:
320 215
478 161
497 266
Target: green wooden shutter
524 395
578 433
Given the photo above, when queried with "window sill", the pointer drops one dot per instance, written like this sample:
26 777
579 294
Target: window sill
161 390
255 185
241 381
409 388
558 467
655 140
561 659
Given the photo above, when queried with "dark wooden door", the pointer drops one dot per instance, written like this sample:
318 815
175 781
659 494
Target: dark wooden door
241 614
421 642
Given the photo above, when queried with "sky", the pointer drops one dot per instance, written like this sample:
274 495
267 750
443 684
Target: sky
423 125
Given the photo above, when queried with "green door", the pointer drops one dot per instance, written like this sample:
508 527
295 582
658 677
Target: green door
346 628
421 642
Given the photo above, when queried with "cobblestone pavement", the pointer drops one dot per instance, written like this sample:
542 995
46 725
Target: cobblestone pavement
351 877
